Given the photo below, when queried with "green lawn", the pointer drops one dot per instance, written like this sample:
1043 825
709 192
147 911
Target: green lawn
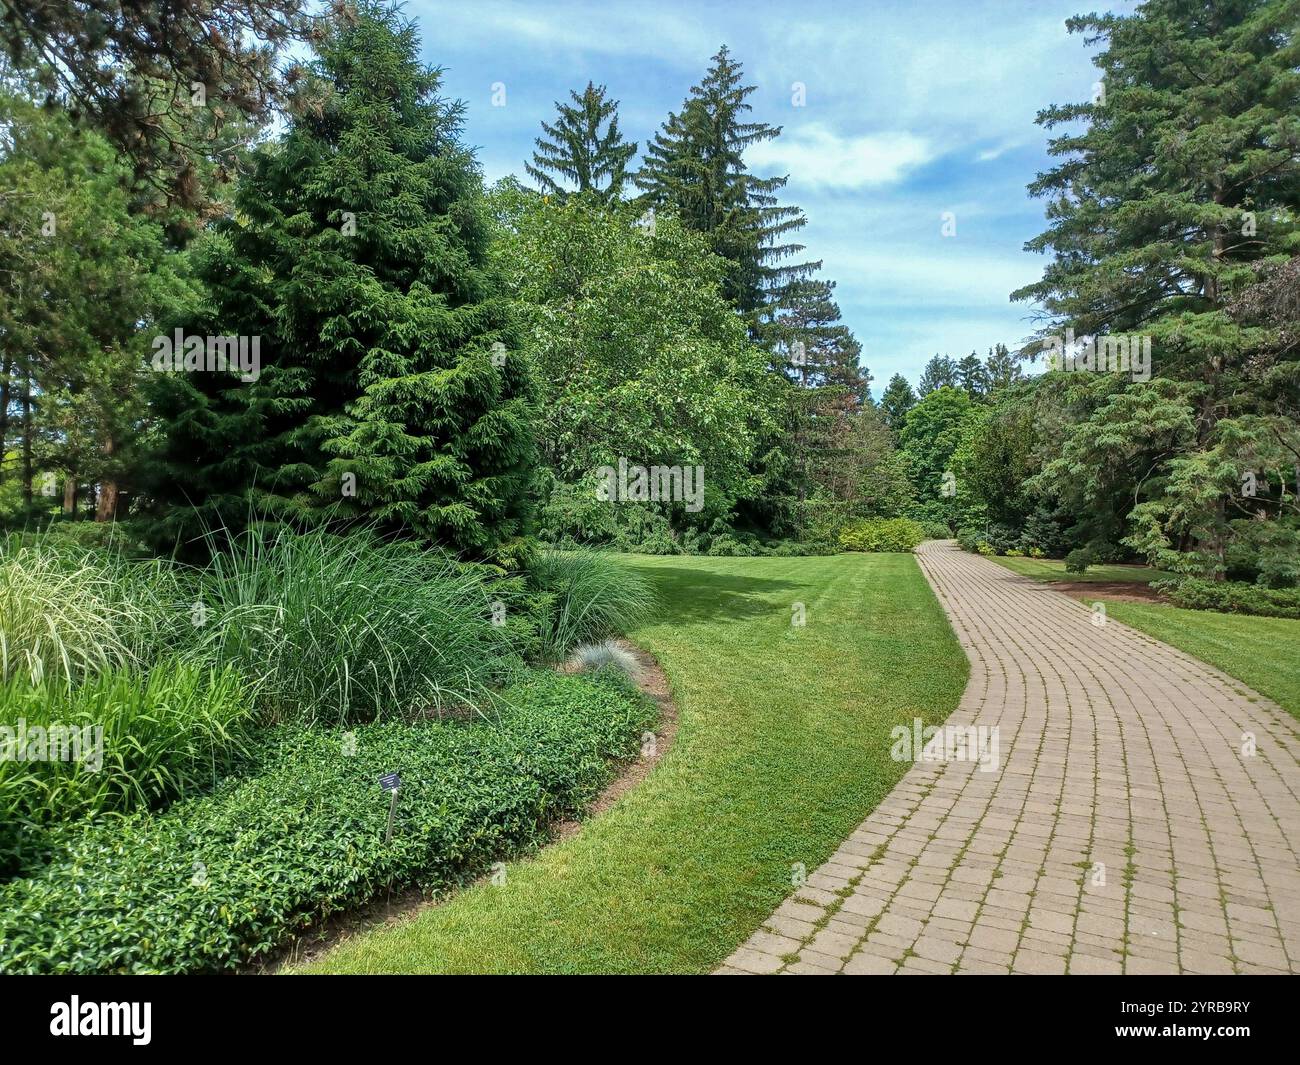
1260 652
783 748
1052 569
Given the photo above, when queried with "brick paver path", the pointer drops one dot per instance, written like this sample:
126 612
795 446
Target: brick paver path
1125 828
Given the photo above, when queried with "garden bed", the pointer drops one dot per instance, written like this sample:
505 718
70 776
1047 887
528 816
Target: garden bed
216 882
399 905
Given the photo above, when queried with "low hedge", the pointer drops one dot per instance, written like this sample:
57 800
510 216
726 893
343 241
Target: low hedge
215 882
1230 597
881 534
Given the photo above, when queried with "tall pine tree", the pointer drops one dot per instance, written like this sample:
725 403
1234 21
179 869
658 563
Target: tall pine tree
1001 368
1176 193
583 147
972 376
695 167
939 371
896 400
816 348
389 388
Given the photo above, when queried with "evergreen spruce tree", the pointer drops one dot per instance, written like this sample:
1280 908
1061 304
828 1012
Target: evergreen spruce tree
388 387
1175 194
583 147
939 371
972 377
1001 369
695 167
817 349
897 399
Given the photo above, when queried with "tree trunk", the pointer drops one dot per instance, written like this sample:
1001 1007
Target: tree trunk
70 494
107 501
107 508
27 438
5 370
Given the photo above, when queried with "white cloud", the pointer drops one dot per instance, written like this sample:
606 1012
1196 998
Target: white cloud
997 151
575 26
938 277
816 156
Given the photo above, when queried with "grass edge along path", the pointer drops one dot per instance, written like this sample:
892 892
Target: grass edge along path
1258 651
782 750
1051 569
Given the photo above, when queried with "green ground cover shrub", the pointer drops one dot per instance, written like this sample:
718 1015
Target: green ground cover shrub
882 534
729 546
1230 597
1078 560
798 549
222 879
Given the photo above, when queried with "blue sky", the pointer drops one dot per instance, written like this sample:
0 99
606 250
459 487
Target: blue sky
912 109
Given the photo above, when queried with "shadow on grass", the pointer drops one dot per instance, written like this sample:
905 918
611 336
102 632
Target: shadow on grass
701 595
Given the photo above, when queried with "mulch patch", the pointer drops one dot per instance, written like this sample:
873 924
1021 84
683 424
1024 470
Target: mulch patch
1114 591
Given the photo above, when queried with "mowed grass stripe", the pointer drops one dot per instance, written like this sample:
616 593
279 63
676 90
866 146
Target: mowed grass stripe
783 748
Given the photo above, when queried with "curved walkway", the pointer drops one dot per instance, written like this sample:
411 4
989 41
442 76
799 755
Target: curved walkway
1124 825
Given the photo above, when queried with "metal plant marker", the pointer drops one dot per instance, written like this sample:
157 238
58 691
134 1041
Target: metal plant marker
392 783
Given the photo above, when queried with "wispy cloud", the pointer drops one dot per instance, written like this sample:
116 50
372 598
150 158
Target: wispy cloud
587 27
997 151
816 156
900 275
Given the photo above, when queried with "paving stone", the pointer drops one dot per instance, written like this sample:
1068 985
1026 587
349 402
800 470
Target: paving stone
1032 961
754 961
789 927
864 964
807 968
934 949
836 944
1086 965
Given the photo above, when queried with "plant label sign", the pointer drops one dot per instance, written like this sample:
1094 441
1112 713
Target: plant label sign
390 782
